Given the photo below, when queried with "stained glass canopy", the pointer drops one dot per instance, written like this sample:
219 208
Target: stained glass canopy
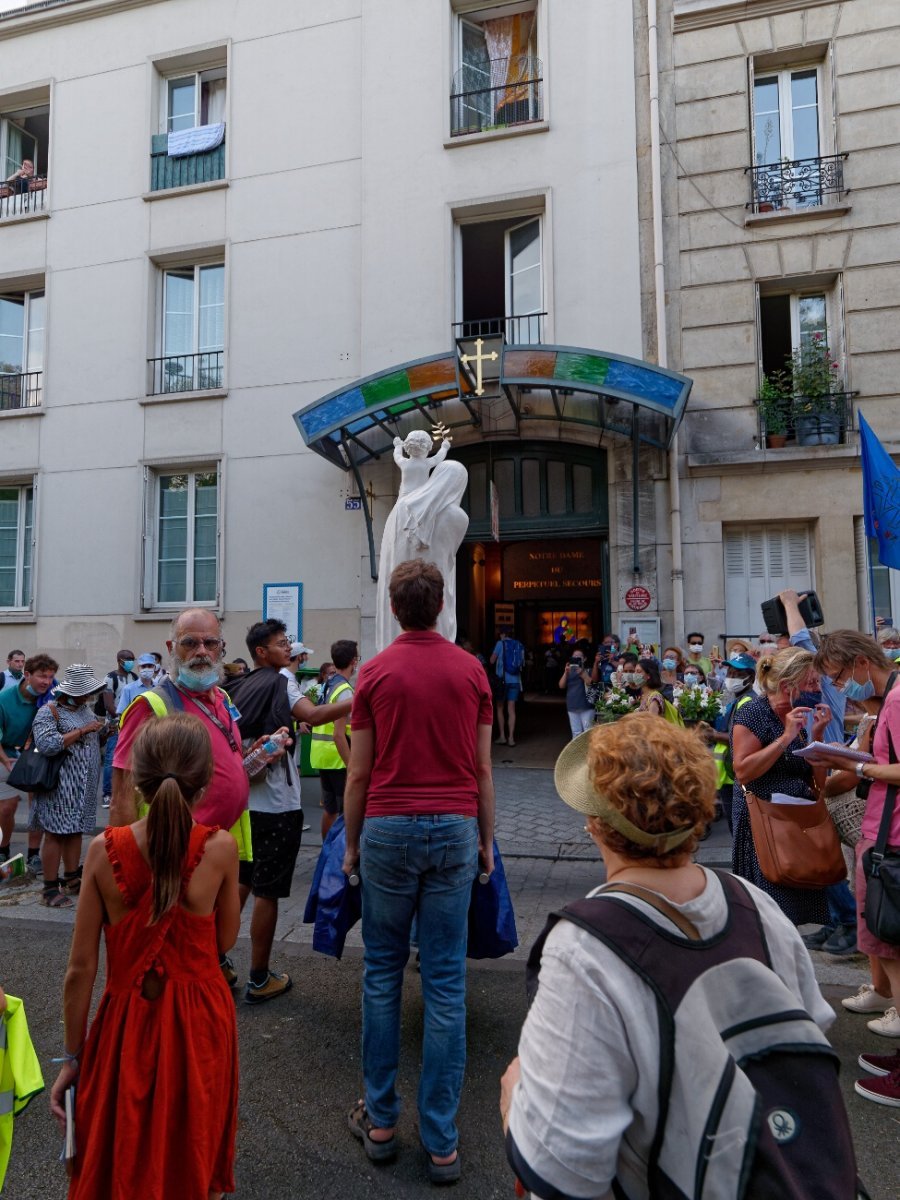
523 388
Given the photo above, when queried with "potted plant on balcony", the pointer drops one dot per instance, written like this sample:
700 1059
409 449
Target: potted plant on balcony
774 399
817 393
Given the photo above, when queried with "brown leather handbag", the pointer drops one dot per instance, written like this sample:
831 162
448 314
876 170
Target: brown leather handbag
796 844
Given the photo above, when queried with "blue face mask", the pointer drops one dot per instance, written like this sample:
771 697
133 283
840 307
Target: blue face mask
198 681
858 691
128 664
670 663
30 690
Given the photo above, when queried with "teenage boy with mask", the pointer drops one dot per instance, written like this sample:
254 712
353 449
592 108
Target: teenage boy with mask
18 707
146 679
106 707
695 655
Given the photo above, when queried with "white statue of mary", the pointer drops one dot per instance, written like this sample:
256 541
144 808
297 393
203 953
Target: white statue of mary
427 522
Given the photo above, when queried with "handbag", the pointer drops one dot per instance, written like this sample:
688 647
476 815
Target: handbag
36 772
796 844
881 868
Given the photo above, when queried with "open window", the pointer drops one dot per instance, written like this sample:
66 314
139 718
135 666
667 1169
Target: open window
188 147
194 100
24 148
21 349
497 79
502 289
191 331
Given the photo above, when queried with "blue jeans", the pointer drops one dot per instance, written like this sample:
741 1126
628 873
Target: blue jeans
107 764
841 904
423 867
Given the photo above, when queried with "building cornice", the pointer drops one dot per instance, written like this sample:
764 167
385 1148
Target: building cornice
702 14
18 23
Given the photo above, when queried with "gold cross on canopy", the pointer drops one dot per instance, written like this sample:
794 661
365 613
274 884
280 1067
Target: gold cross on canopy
478 358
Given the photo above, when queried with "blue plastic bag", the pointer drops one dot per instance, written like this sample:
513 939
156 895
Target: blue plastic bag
492 922
333 906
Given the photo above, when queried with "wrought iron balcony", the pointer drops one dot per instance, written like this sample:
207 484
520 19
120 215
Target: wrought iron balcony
185 372
21 391
503 92
516 331
166 172
824 420
22 196
804 183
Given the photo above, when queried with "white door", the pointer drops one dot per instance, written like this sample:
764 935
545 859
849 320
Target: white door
760 562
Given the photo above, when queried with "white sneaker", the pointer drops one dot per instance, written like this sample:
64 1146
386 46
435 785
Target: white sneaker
866 1000
888 1025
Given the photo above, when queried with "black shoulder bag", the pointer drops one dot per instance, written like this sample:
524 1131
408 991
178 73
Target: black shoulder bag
36 772
882 871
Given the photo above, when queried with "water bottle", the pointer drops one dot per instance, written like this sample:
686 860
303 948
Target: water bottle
483 877
258 758
353 878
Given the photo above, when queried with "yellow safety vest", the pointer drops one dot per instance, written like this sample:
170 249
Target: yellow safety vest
240 830
323 753
20 1074
721 751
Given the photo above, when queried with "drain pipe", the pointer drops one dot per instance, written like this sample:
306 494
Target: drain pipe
662 347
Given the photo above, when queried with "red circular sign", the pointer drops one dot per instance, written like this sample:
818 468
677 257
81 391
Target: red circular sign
637 598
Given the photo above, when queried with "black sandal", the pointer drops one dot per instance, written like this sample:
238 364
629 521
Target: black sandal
71 883
53 897
361 1127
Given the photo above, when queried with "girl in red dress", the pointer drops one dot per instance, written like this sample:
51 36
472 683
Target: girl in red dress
156 1080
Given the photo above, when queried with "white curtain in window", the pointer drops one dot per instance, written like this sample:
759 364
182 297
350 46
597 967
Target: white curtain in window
214 99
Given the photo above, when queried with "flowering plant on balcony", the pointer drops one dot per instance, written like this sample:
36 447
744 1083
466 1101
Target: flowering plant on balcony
814 376
697 703
614 703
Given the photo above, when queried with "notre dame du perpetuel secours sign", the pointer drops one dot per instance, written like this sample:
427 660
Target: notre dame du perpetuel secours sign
540 569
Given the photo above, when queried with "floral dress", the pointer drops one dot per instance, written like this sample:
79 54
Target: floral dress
791 776
71 808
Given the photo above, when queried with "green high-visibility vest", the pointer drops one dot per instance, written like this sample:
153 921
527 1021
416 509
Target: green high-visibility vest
20 1073
323 753
240 830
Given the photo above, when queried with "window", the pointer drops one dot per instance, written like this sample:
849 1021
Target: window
21 349
800 347
502 288
24 138
760 562
793 166
497 81
192 330
193 100
16 545
183 537
878 591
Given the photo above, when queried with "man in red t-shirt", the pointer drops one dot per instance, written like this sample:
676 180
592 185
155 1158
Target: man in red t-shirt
419 811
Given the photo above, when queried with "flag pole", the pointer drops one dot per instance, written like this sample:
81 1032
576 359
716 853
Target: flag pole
871 583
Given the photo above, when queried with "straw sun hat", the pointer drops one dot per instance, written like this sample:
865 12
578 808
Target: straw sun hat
573 782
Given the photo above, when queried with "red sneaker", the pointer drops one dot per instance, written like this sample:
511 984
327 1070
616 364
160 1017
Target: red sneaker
885 1090
880 1064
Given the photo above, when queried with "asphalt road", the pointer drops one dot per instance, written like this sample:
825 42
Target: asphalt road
300 1074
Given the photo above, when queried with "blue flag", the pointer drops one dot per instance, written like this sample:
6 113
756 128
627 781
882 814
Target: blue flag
881 496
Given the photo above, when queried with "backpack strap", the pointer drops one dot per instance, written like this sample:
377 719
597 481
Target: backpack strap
660 903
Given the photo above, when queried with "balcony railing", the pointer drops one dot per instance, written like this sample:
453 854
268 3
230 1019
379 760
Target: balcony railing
21 391
185 372
23 196
168 172
503 92
804 183
809 421
515 331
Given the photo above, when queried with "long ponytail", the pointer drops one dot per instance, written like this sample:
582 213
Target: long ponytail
171 765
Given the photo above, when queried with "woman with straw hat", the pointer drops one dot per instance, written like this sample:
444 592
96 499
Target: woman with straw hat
68 726
643 986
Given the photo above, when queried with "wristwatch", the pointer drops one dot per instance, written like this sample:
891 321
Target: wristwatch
860 768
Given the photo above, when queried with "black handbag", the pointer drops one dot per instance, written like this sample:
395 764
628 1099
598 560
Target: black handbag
36 772
882 871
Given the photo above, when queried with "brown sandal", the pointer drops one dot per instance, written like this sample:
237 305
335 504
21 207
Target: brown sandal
53 897
71 884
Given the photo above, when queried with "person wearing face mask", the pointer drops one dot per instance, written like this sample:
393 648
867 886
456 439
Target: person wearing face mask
68 723
671 670
623 676
574 682
146 679
695 655
764 736
737 690
106 707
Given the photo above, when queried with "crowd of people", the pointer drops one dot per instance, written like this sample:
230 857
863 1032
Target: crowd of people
205 812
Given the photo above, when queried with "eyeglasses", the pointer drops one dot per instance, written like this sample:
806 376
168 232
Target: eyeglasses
282 644
208 644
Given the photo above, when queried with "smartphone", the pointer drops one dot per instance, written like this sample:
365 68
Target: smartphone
714 653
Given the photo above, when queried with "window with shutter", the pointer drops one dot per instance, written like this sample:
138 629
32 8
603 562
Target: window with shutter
760 562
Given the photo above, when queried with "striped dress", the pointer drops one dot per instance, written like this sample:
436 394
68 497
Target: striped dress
72 807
